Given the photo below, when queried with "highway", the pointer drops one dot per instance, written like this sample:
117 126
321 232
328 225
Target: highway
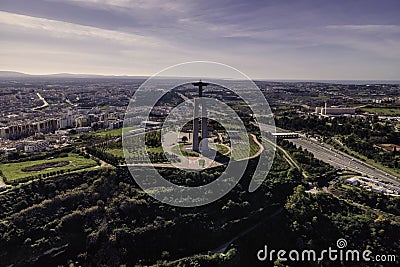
342 160
337 158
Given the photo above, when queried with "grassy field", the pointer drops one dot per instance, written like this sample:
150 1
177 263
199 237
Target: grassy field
222 149
116 152
14 171
114 132
184 152
119 152
240 153
389 111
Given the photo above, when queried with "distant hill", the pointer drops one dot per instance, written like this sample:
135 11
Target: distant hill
71 75
13 74
21 75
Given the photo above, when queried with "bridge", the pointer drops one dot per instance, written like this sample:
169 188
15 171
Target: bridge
286 135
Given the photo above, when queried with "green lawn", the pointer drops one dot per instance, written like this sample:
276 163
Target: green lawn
104 133
13 171
222 149
119 152
114 132
189 153
157 149
184 152
105 107
389 111
240 152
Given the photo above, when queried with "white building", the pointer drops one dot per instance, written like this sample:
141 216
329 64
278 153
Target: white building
67 120
352 181
35 146
83 129
151 124
6 150
115 124
334 111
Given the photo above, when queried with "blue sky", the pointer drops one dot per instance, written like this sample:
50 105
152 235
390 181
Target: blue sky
313 39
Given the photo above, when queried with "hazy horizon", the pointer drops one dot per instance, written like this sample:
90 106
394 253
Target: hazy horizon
116 76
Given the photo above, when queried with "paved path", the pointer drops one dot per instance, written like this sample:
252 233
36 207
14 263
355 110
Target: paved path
259 145
191 163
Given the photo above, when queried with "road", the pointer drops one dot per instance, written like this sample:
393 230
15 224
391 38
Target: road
45 104
337 158
342 160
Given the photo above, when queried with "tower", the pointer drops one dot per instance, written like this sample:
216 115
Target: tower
197 103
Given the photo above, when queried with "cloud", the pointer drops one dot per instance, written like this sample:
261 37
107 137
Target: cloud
378 40
67 30
382 40
366 28
175 6
112 35
39 45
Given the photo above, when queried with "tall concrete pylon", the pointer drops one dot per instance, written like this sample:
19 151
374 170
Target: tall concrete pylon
197 102
204 130
195 143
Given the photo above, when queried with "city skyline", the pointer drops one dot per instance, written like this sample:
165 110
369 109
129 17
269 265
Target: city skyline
306 40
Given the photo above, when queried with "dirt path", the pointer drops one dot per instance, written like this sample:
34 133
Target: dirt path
102 162
289 159
259 145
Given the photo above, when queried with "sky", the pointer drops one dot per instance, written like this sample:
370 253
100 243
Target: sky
286 39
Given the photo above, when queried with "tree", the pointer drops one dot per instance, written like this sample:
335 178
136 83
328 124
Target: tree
153 139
